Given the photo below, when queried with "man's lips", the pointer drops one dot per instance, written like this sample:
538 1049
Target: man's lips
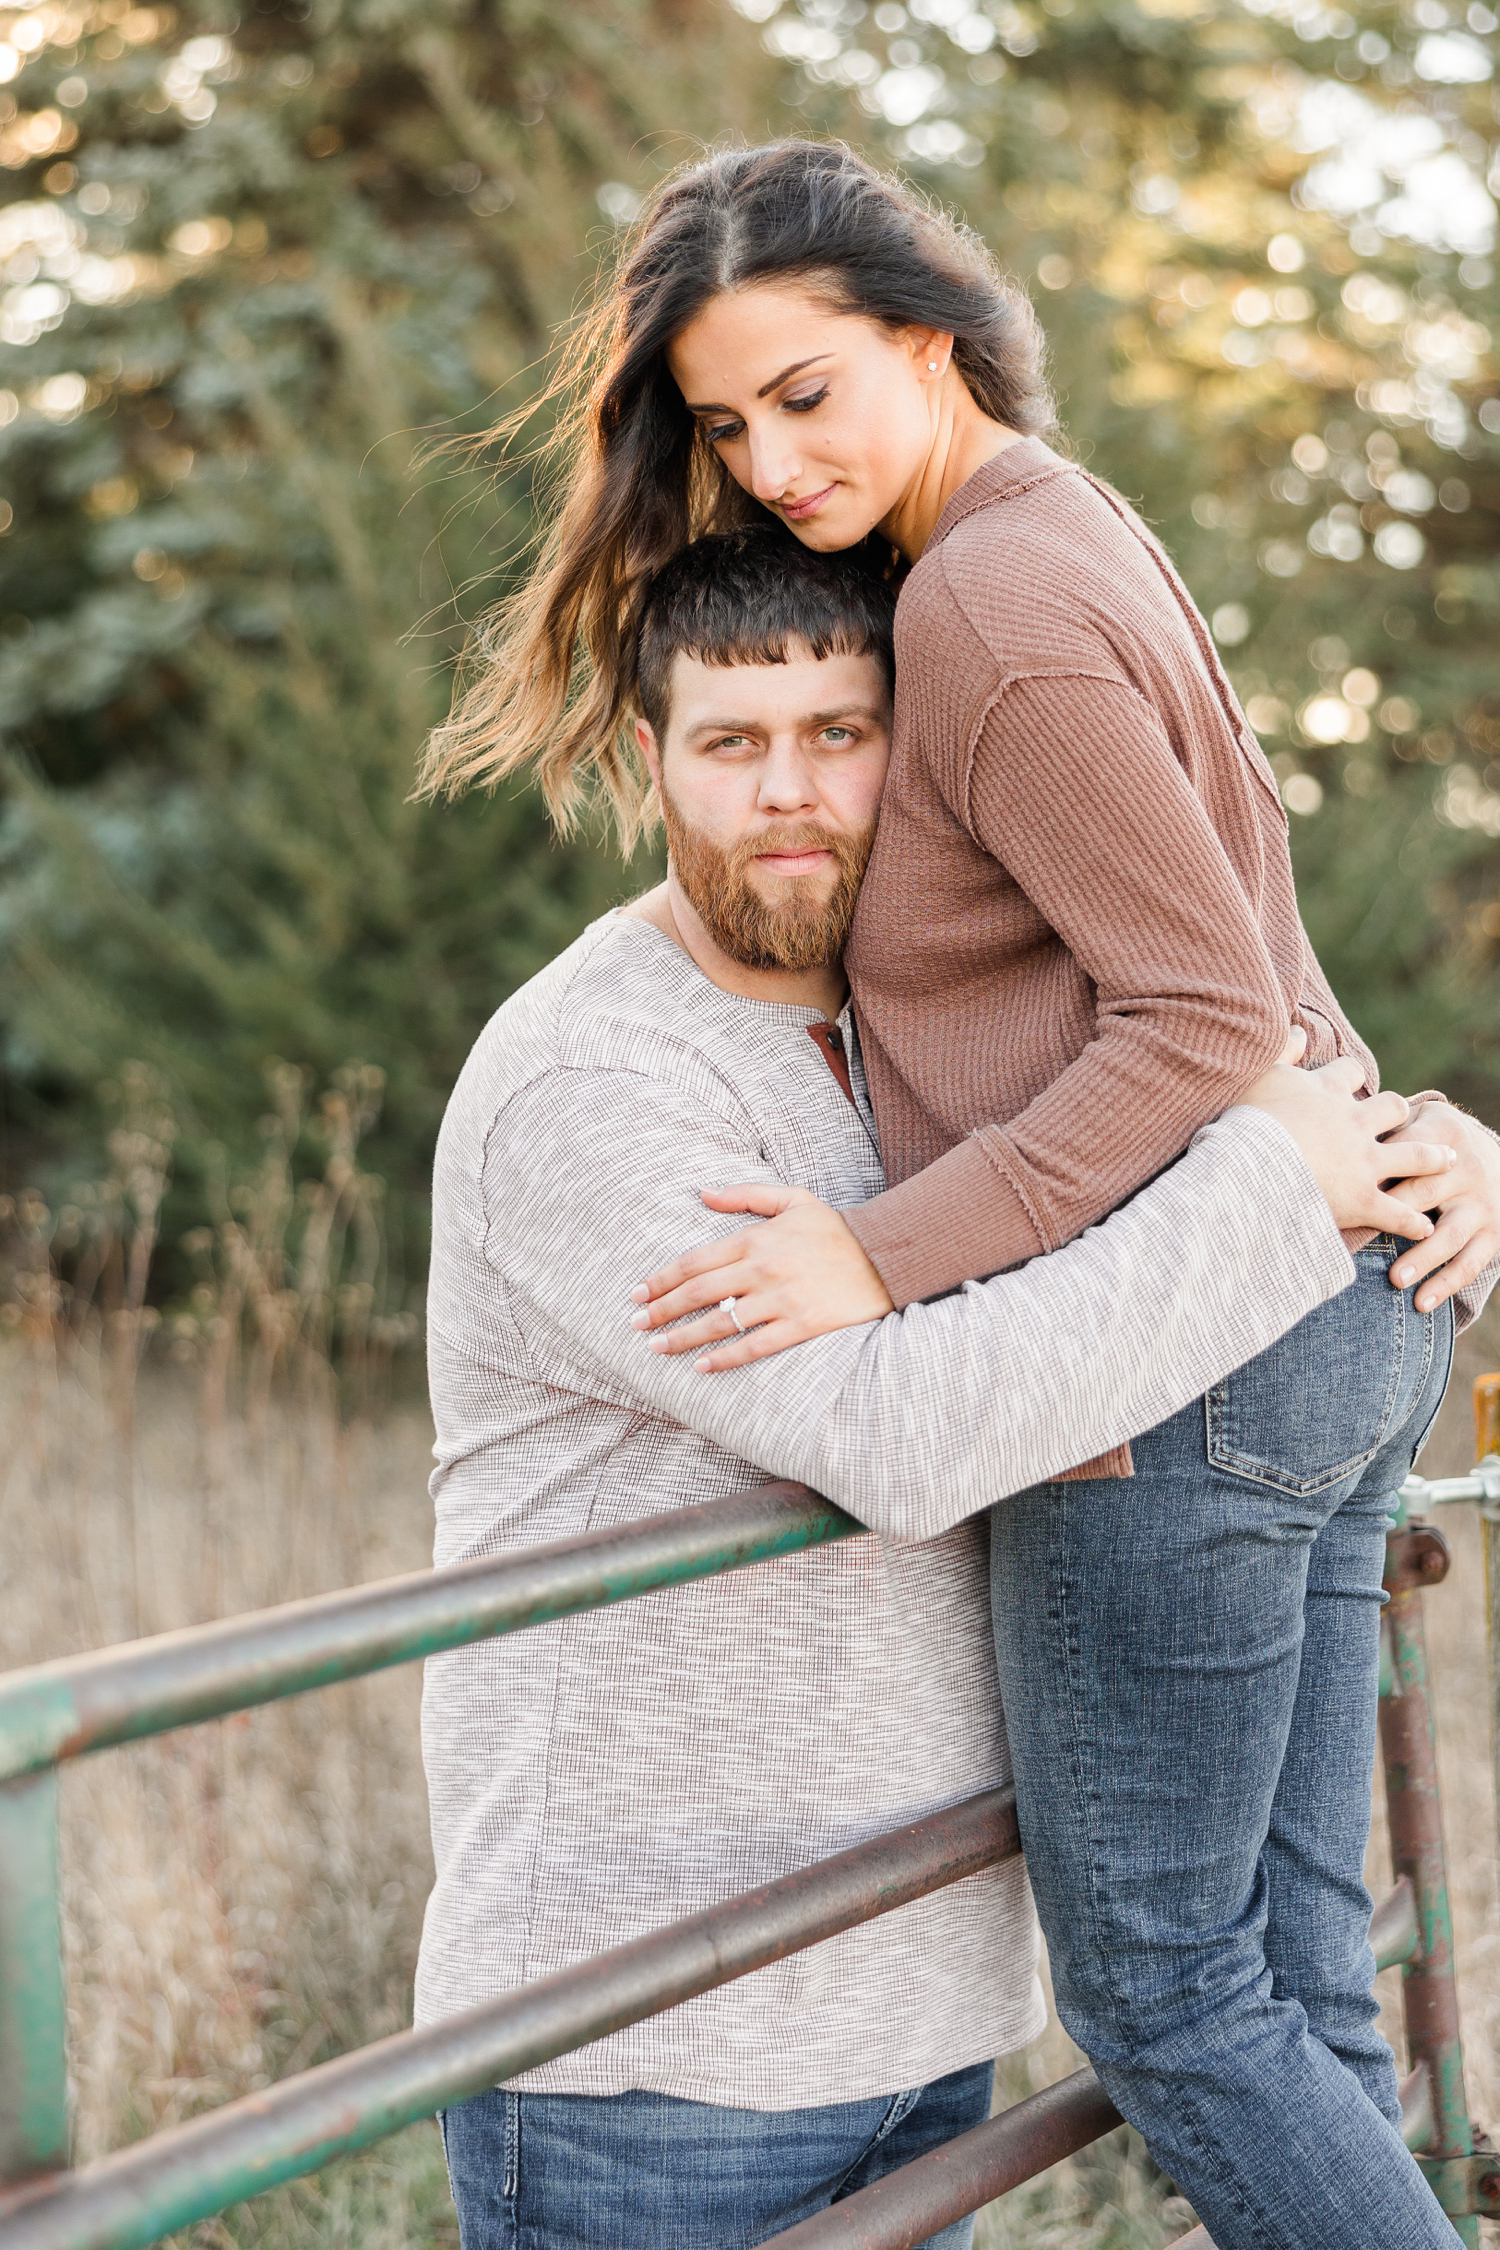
797 509
793 863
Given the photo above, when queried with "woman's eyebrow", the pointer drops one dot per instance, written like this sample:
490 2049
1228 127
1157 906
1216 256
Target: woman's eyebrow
766 388
787 373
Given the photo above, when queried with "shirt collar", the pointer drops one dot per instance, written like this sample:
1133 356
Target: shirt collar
1014 469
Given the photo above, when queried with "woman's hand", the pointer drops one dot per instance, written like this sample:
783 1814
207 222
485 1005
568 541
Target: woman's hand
1467 1200
1368 1182
802 1274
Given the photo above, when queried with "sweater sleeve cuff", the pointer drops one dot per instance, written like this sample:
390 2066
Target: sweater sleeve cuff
958 1221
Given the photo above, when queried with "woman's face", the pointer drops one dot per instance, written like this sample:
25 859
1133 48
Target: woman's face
826 417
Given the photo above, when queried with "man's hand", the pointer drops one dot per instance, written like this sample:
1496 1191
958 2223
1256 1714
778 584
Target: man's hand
1467 1200
1340 1139
802 1274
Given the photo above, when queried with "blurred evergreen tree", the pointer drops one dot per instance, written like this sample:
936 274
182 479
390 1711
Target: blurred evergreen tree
1261 236
251 266
256 272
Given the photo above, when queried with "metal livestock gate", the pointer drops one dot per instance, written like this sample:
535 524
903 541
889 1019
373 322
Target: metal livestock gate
56 1711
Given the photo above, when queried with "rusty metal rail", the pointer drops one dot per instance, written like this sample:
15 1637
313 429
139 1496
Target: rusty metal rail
948 2183
56 1711
127 2200
902 2210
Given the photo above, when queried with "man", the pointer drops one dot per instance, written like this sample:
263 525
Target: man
598 1777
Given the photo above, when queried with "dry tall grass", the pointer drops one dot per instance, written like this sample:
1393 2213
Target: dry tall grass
241 1899
244 1899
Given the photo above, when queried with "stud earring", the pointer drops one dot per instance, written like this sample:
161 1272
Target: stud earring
932 367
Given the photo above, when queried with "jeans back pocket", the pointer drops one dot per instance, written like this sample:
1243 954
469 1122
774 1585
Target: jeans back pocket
1314 1409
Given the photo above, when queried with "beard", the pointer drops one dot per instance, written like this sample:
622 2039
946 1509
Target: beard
793 928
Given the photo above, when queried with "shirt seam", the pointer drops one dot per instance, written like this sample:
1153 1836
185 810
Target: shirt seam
1044 471
1013 679
538 1852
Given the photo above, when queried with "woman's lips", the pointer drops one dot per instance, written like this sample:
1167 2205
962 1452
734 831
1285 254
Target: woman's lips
797 509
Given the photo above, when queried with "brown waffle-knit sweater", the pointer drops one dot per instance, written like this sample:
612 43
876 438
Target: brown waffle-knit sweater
1078 938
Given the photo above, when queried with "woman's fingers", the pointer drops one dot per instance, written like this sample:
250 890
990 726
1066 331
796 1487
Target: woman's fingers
709 1257
718 1329
697 1295
768 1197
763 1343
694 1334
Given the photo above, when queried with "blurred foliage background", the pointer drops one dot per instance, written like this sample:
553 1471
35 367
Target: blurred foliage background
259 265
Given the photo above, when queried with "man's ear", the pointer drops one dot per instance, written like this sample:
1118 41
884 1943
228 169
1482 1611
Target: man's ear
647 741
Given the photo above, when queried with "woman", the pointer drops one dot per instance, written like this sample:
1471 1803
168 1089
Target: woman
1077 941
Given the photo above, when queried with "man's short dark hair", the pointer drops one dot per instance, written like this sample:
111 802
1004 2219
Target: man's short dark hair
750 596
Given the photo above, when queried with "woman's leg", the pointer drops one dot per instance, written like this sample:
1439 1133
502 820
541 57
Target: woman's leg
1150 1635
1317 1945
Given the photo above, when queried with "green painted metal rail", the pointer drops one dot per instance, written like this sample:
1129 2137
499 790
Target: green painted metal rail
132 2198
58 1711
52 1712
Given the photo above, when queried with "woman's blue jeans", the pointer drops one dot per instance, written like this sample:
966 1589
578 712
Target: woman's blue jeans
1189 1660
646 2171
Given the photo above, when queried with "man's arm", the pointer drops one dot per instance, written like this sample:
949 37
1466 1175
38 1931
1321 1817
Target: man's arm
919 1420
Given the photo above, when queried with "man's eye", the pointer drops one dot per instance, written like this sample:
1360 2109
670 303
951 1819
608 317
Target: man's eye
838 736
806 404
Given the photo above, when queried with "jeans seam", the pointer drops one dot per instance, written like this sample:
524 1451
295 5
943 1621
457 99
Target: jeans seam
1212 2156
898 2107
1085 1788
1430 1321
512 2183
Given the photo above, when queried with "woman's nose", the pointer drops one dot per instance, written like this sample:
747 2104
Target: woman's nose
774 466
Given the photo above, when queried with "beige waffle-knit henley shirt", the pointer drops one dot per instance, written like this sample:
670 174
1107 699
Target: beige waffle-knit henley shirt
596 1777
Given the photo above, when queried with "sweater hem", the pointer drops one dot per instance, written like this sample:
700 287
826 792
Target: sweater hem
957 1221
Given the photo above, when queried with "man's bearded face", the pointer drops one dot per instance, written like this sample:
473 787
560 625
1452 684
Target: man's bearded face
765 920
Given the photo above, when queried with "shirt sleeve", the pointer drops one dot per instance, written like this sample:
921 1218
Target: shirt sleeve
591 1180
1074 788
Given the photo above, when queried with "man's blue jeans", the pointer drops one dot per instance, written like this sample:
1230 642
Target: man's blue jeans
1189 1660
647 2172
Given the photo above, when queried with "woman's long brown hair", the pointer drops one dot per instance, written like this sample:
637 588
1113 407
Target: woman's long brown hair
551 675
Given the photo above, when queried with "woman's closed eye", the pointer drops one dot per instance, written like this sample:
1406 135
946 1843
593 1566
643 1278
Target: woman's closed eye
720 433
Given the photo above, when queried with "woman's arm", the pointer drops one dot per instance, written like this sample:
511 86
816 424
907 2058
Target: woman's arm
802 1274
1074 788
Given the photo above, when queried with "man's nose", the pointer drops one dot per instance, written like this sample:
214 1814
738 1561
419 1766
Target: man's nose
774 465
787 781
